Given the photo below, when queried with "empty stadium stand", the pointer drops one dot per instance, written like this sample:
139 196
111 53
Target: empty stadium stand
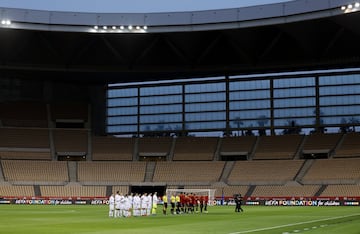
234 148
349 147
112 148
277 147
195 148
320 145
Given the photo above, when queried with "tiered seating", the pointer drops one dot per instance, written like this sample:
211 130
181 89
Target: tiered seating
73 191
269 171
31 143
121 189
195 148
333 170
235 146
321 143
347 190
185 172
277 147
285 191
111 171
70 141
23 114
350 146
159 146
35 171
16 191
112 148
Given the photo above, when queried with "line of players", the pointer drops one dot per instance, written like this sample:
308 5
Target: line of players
186 203
132 205
146 204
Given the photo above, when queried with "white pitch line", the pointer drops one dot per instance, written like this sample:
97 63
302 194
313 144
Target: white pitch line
293 224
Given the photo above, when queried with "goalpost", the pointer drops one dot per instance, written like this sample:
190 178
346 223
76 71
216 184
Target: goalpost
210 193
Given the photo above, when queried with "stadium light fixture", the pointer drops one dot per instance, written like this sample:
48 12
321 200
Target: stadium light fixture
351 7
5 22
118 29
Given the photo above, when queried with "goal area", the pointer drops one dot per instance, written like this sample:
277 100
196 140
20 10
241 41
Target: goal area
210 193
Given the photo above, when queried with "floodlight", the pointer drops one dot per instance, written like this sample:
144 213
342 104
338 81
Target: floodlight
145 27
349 6
122 27
357 5
137 27
104 27
130 27
96 27
343 8
113 27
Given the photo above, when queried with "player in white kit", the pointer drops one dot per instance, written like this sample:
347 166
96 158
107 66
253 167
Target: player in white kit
111 205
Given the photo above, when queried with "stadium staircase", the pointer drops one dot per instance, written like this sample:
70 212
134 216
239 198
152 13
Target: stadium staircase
109 189
72 168
321 190
253 150
229 165
149 171
250 191
37 190
172 149
298 152
303 170
339 143
1 174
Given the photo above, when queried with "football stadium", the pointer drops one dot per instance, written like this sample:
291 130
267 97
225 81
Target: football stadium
235 120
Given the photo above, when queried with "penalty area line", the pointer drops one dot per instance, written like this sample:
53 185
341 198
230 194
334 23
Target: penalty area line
293 224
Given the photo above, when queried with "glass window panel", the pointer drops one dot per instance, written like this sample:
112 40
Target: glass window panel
339 90
298 121
153 100
340 79
249 114
294 82
294 102
249 85
122 120
205 125
161 109
213 106
160 118
122 102
162 127
294 112
249 124
122 111
340 100
249 104
132 92
341 110
208 116
334 119
122 128
161 90
294 92
201 88
205 97
248 95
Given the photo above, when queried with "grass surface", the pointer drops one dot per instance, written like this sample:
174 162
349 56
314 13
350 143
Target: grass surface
260 219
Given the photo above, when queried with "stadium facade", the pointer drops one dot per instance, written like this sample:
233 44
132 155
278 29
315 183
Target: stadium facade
273 69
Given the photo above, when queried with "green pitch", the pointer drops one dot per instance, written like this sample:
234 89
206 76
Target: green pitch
47 219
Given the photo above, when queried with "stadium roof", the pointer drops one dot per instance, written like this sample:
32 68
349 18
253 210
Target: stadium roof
127 47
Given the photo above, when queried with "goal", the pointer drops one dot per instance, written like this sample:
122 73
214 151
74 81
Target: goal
210 193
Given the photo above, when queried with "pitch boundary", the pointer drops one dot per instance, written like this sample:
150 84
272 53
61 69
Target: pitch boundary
293 224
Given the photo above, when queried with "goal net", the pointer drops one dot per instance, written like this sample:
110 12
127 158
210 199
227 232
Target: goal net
209 193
